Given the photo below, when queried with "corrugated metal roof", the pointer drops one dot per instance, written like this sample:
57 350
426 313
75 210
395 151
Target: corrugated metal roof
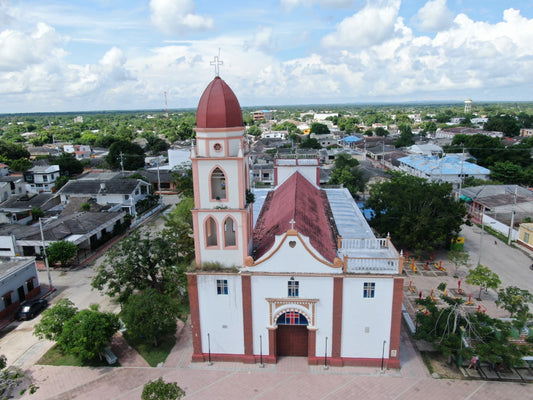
447 165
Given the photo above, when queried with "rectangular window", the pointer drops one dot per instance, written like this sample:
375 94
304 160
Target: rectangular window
526 237
294 288
222 286
7 299
369 289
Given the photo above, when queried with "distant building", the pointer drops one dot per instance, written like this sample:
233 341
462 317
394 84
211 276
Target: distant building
526 132
4 170
525 235
41 178
450 168
262 115
468 106
427 150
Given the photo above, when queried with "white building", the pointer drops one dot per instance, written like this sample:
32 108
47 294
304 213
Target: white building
18 282
298 272
41 178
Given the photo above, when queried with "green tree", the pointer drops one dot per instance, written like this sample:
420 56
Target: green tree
507 172
145 261
68 165
418 214
254 131
60 182
182 176
483 277
503 123
151 315
406 136
88 332
51 324
346 172
13 151
180 214
310 143
515 300
129 153
319 129
459 258
20 165
61 251
161 390
36 213
380 131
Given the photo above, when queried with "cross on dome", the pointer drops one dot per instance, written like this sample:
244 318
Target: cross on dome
217 62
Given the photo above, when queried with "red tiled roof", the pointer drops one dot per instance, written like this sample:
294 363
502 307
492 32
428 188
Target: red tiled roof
218 107
300 200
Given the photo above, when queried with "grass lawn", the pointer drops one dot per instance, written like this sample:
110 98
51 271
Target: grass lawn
55 356
153 355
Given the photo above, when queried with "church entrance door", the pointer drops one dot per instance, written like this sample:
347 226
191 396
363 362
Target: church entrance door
292 340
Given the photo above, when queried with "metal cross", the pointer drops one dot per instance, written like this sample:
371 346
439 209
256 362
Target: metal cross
217 62
292 222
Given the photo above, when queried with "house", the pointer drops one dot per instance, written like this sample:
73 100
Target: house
118 193
10 185
4 169
293 271
18 282
41 178
525 235
18 209
450 168
428 150
262 115
526 132
87 230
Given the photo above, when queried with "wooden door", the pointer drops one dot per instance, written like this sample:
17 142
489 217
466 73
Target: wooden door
292 340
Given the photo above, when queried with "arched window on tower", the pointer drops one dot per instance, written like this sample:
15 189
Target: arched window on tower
218 185
229 232
211 232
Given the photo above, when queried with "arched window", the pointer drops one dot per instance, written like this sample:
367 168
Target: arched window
211 232
292 318
229 232
218 185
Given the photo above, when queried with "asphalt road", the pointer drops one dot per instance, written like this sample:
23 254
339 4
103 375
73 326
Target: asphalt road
510 263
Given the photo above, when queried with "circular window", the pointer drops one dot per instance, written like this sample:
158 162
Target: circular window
217 147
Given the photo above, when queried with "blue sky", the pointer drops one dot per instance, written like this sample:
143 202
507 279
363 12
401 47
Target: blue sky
114 54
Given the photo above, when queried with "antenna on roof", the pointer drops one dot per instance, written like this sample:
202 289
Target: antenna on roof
217 62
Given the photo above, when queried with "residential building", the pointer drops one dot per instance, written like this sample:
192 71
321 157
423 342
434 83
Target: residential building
41 178
18 209
525 235
262 115
18 282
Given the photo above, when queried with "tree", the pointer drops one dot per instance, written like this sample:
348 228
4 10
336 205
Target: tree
145 261
36 213
61 251
319 129
346 172
88 332
459 258
380 131
151 315
161 390
60 182
20 165
310 143
180 214
51 324
182 176
483 277
68 164
129 153
418 214
503 123
254 131
515 300
406 136
12 151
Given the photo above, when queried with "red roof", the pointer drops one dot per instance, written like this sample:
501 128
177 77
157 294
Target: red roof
297 199
218 107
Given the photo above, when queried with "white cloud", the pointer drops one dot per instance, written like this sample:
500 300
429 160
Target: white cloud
434 16
372 25
178 17
292 4
262 40
19 49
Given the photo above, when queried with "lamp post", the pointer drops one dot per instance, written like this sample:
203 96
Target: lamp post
51 289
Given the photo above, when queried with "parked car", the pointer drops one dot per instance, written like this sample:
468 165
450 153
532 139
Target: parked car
31 309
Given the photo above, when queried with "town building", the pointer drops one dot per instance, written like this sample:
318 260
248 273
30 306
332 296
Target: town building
262 115
450 168
525 235
41 178
293 271
18 282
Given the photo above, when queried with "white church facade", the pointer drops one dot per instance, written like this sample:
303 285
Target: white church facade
293 271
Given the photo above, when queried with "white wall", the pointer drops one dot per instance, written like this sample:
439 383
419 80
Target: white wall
232 174
309 172
221 315
366 322
7 246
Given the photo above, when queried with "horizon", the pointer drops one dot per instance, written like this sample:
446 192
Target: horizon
81 56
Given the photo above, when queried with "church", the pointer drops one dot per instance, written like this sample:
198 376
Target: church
292 271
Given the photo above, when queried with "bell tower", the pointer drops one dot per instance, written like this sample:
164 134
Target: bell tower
222 214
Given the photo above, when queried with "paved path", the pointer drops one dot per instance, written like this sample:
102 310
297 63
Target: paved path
291 379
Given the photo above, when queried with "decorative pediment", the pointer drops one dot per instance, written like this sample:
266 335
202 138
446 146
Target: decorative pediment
278 306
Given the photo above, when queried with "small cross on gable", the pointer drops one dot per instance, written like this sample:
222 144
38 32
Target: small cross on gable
292 222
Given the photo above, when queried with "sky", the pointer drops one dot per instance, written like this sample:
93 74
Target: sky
90 55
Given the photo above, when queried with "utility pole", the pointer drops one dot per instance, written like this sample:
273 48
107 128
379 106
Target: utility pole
510 238
121 156
461 180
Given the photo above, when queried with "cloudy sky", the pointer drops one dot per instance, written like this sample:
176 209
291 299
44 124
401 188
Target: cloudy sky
83 55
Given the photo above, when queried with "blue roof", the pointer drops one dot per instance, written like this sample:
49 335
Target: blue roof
351 139
447 165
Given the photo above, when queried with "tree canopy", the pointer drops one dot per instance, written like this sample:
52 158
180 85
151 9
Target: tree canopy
346 172
148 260
161 390
483 277
61 251
419 215
132 155
51 324
319 129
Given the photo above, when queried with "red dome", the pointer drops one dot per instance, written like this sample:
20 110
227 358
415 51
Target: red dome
218 107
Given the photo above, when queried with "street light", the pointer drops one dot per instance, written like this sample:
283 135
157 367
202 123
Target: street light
44 252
